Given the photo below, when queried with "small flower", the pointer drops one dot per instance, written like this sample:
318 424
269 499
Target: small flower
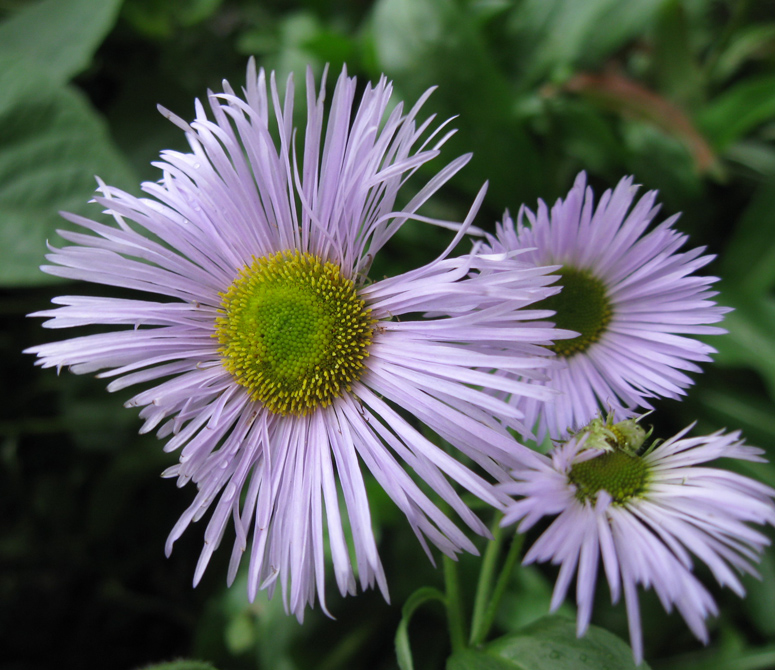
269 361
630 295
643 513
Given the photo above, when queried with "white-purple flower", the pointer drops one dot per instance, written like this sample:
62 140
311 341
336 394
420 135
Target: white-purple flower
632 296
646 515
271 364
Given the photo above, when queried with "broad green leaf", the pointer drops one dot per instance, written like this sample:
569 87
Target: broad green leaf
739 110
58 37
549 644
528 599
470 659
419 597
52 144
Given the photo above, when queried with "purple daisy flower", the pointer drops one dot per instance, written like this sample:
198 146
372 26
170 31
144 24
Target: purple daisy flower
270 363
644 514
630 294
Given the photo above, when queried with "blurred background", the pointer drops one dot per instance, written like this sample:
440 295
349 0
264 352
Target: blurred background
680 94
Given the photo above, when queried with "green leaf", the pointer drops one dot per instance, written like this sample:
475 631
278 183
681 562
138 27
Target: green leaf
55 36
751 412
748 263
52 144
555 36
745 44
749 342
436 33
419 597
738 111
753 658
760 596
675 68
160 19
469 659
549 644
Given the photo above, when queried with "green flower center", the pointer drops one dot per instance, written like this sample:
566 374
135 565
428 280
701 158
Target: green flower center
294 332
623 475
583 306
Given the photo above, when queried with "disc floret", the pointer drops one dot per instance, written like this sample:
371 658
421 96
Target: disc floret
294 332
582 305
619 468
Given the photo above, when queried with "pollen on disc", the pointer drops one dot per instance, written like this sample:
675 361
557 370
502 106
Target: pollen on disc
294 332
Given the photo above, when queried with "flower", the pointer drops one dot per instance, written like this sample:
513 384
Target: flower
631 296
271 364
644 513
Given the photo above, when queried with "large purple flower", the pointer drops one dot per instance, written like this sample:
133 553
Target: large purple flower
631 295
644 514
272 365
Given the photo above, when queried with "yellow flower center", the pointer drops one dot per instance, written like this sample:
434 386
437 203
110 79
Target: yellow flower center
294 332
623 475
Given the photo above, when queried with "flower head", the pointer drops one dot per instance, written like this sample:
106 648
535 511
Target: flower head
644 513
271 364
631 296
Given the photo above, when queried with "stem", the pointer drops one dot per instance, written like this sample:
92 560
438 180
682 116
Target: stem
500 588
457 633
484 586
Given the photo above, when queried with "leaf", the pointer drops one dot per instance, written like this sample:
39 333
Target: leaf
631 99
760 596
160 19
746 43
555 36
748 262
754 154
549 644
55 36
753 658
675 68
52 144
470 659
435 33
739 110
528 600
753 413
419 597
749 342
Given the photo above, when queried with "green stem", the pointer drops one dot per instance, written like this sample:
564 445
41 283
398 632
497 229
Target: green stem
486 577
500 589
457 633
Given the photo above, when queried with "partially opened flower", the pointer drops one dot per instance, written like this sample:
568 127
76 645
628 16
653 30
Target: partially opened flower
631 295
271 363
645 514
